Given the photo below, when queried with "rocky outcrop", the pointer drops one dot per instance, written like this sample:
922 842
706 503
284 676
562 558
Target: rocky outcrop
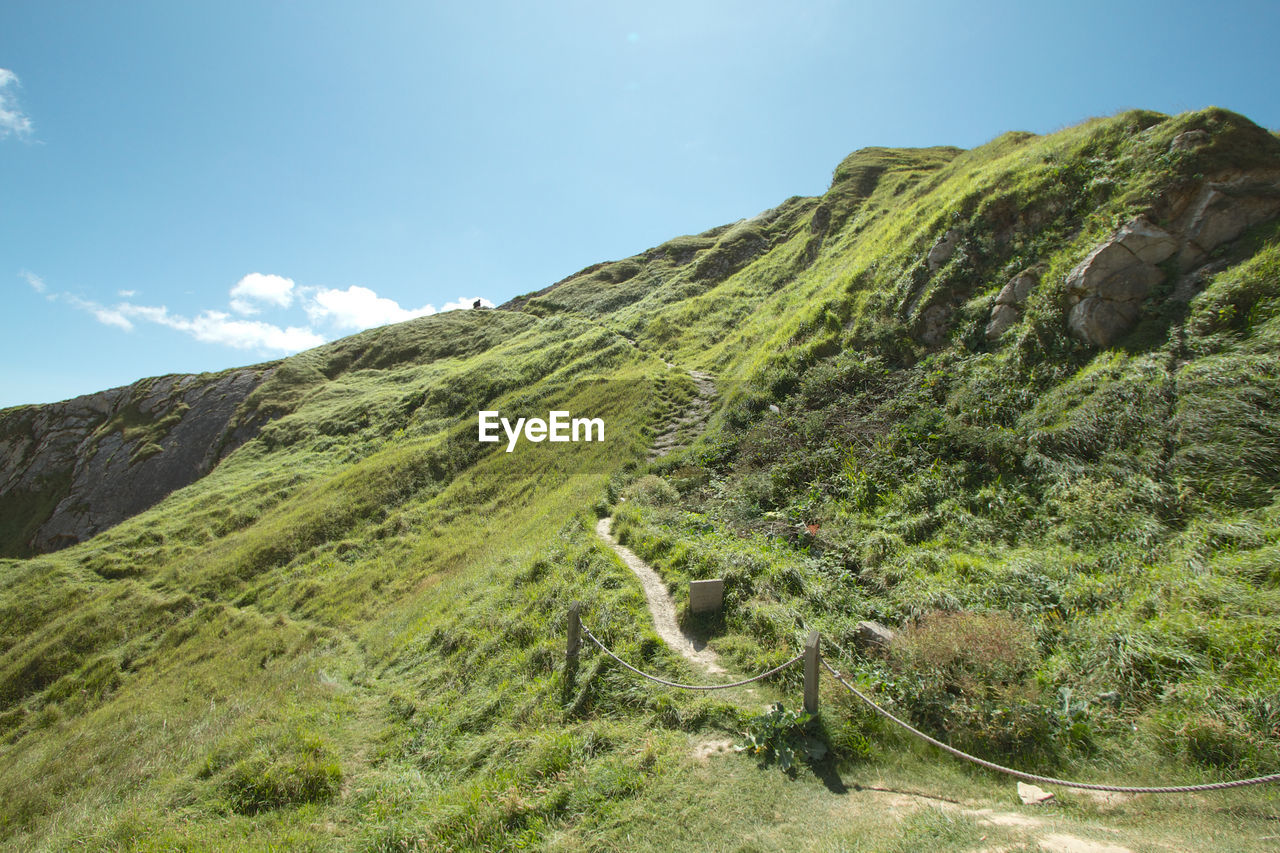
873 636
1189 140
1106 290
1009 302
935 324
943 250
72 469
1223 210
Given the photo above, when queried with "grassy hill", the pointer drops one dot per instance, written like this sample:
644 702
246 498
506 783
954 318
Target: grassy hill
350 633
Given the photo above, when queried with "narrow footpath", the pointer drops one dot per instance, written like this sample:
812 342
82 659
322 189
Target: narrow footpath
678 432
661 605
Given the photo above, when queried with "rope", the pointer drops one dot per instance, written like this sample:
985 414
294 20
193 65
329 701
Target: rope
1047 780
606 650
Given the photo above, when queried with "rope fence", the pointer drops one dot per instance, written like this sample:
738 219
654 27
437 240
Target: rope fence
1047 780
812 658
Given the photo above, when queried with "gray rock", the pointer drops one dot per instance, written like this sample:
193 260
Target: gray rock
1003 317
873 635
934 322
1148 243
73 478
1018 288
1214 220
1222 212
1009 301
943 250
156 401
1189 140
1100 321
1088 277
1106 289
1131 284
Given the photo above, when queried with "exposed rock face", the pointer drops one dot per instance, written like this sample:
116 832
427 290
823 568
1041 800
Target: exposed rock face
1009 302
873 635
934 323
943 250
1222 211
1189 140
69 470
1106 290
1108 286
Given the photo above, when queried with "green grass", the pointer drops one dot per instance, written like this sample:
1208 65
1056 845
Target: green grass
350 634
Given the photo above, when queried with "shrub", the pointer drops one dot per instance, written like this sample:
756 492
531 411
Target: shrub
969 677
653 491
1238 735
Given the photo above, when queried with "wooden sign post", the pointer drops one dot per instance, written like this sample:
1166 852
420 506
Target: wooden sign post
811 653
575 632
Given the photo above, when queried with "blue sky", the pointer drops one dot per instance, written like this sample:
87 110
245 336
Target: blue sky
188 187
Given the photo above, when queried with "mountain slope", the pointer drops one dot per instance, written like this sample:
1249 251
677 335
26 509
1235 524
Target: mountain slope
350 632
73 469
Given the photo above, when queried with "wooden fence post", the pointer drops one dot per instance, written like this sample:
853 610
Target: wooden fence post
811 652
575 631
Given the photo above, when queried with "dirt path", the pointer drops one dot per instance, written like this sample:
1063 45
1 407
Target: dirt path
678 432
661 605
684 428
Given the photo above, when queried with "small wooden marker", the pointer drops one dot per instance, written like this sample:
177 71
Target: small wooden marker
811 654
575 631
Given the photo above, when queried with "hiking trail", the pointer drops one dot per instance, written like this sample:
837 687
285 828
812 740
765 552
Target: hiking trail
661 606
678 432
688 425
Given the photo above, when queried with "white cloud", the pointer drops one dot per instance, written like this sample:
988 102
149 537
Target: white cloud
126 294
218 327
108 316
12 120
359 308
353 309
256 288
214 327
36 282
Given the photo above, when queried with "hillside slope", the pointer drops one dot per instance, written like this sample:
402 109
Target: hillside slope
1021 404
73 469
